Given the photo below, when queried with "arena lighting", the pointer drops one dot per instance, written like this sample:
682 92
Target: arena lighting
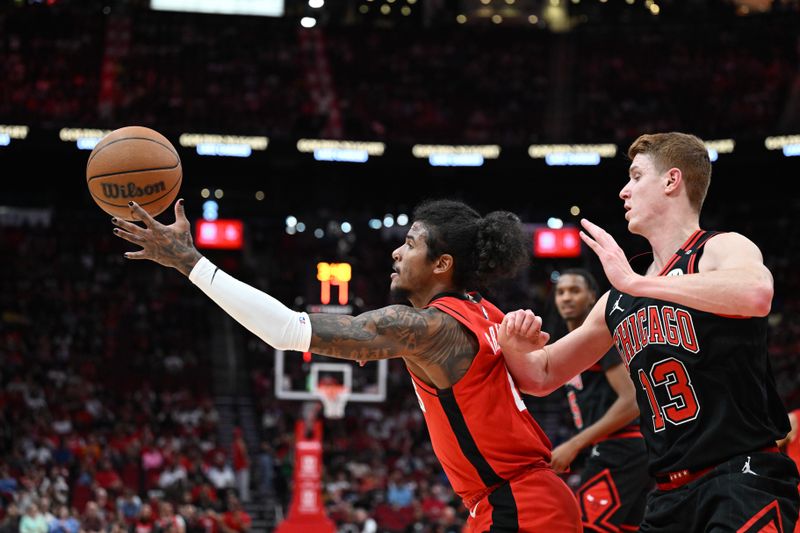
788 144
341 151
267 8
84 139
8 132
572 154
316 4
445 155
721 146
308 22
219 234
223 145
556 242
210 210
555 223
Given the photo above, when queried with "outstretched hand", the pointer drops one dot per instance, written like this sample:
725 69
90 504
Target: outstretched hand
170 246
521 332
616 266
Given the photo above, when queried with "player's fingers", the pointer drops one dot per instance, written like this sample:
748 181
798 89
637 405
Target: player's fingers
534 325
504 333
141 254
511 322
544 337
130 227
528 321
591 243
130 237
141 214
180 215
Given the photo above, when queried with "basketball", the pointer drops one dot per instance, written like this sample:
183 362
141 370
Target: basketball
133 164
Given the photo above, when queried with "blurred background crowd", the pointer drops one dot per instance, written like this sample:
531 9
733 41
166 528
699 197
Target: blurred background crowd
120 409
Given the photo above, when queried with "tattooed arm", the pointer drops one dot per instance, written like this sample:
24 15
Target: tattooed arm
428 337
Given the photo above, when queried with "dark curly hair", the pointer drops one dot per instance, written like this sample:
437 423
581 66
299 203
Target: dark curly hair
484 249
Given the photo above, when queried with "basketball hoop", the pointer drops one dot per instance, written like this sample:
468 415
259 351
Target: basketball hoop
334 398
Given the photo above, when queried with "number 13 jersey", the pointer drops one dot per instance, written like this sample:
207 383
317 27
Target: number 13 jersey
703 381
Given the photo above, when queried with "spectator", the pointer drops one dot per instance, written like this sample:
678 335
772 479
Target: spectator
94 519
220 473
64 522
10 523
235 519
266 470
146 521
129 506
33 521
168 521
241 465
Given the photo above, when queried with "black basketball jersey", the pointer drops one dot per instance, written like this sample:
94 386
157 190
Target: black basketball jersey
703 381
590 394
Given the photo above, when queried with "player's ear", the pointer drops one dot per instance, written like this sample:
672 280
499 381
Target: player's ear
443 264
673 180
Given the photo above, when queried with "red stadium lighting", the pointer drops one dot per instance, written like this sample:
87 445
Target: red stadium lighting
563 242
219 234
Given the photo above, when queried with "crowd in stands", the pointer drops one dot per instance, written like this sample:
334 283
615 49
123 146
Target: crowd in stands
453 84
107 422
735 78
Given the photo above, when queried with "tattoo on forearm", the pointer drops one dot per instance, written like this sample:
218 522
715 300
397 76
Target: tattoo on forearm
433 337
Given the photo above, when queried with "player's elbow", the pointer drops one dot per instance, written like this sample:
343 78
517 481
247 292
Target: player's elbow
760 301
538 387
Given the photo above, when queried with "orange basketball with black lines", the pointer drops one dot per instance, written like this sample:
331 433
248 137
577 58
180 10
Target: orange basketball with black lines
134 164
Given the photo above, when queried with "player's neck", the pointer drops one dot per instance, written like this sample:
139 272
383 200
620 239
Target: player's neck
424 297
668 240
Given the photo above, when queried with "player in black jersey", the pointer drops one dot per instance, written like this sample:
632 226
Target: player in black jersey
691 328
614 481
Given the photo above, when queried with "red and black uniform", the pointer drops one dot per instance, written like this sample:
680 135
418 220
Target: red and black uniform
614 481
710 413
494 453
793 446
793 451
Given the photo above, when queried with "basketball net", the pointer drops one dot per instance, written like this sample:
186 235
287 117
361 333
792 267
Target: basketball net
334 398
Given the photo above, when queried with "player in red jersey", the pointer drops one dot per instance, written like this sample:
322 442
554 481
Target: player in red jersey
493 452
691 327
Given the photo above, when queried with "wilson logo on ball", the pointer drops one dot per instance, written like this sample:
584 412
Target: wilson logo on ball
131 190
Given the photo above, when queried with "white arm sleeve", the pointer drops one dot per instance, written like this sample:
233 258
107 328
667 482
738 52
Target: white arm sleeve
263 315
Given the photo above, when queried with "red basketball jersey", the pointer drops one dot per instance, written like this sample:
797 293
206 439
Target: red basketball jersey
480 429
